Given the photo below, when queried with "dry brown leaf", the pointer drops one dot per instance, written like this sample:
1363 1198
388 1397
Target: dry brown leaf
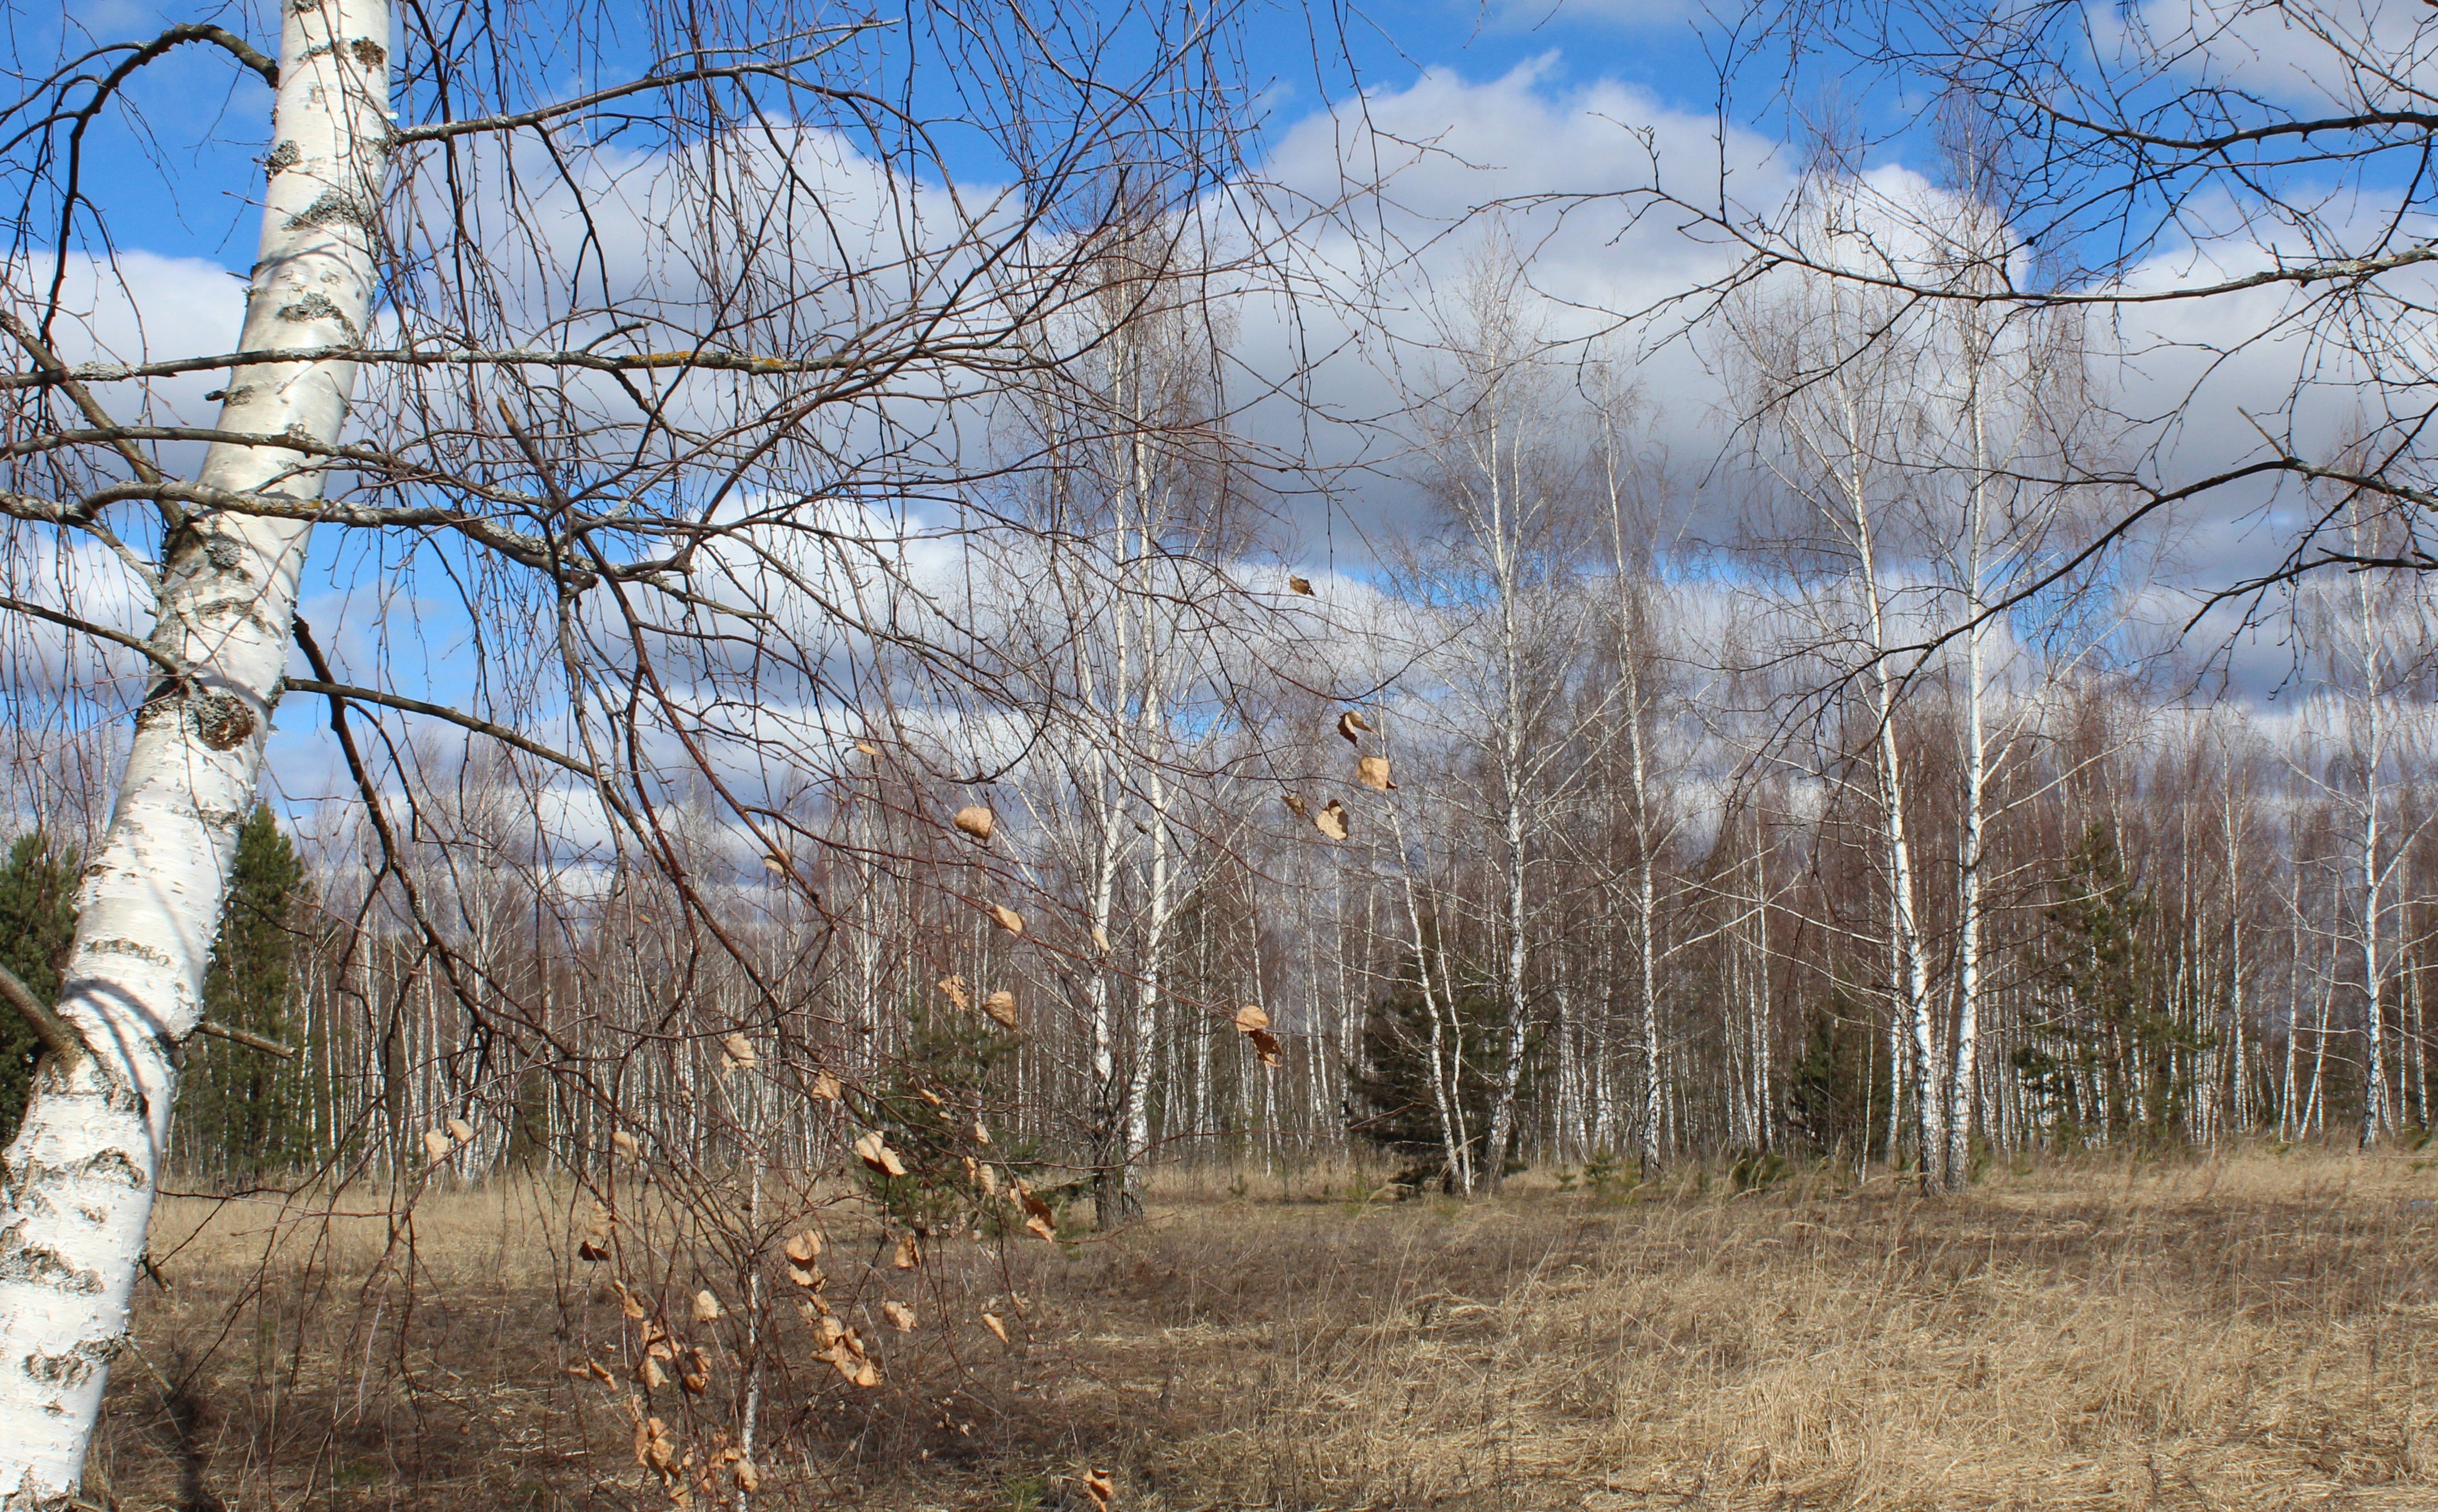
460 1131
955 989
846 1364
435 1144
1299 584
866 1374
900 1316
1332 819
1266 1046
1352 725
592 1250
1296 805
825 1086
867 748
977 821
1372 771
603 1220
803 1248
627 1303
1007 919
706 1308
1041 1226
981 1133
1102 1490
990 1181
697 1379
990 1321
625 1144
748 1479
739 1050
930 1097
650 1373
874 1151
1100 940
774 864
599 1372
1249 1018
1002 1007
654 1449
909 1256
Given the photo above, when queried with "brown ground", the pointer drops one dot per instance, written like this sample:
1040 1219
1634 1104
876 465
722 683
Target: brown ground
2255 1332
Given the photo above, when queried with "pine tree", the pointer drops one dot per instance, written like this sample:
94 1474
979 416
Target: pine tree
247 1112
1390 1102
36 925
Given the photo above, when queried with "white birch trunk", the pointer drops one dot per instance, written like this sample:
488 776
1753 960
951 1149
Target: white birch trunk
80 1175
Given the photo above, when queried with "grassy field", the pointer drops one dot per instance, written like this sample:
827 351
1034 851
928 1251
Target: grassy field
2254 1331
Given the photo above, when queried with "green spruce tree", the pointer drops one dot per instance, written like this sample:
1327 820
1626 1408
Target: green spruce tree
36 925
247 1112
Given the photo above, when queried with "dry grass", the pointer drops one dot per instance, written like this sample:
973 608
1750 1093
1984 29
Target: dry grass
2250 1332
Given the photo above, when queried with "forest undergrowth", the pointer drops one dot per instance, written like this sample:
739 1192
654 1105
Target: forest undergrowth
2257 1331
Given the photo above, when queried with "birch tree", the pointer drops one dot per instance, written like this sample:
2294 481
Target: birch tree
656 383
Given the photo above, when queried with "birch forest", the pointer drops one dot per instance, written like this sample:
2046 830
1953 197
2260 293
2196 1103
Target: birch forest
758 628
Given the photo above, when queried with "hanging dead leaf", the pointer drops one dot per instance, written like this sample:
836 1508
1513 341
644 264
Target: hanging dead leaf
803 1248
592 1249
435 1144
1266 1046
650 1374
1002 1007
981 1133
1372 771
990 1321
930 1097
1100 1488
599 1372
867 748
628 1304
874 1151
1100 940
1042 1227
697 1379
1249 1018
977 821
657 1343
460 1131
1007 919
740 1050
706 1308
749 1479
603 1220
625 1144
1352 725
900 1316
1296 805
958 997
1332 819
1299 584
654 1449
867 1375
825 1086
909 1256
772 862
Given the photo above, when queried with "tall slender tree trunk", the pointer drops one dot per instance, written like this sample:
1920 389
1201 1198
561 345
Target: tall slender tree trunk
80 1175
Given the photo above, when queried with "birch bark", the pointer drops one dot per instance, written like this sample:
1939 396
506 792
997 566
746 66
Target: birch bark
80 1175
